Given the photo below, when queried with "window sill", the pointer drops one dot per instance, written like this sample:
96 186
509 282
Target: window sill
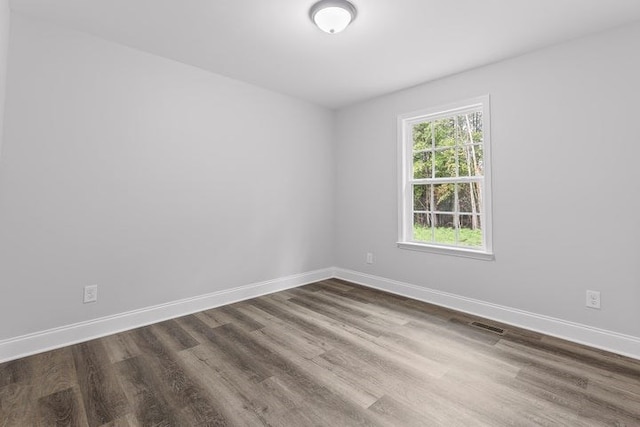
444 250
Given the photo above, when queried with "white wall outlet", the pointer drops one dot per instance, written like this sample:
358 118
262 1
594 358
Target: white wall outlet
369 258
593 299
90 293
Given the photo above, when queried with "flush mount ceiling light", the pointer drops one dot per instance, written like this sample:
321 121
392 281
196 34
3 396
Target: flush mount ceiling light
332 16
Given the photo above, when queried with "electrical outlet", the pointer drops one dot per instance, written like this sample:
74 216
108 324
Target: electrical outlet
593 299
369 258
90 293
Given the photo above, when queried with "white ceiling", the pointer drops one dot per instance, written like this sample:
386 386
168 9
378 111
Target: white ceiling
391 45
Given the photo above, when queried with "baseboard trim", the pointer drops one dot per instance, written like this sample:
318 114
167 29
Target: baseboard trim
625 345
50 339
26 345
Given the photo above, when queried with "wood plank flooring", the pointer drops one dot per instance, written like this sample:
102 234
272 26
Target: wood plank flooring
327 354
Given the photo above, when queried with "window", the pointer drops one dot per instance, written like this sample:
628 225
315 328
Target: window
445 180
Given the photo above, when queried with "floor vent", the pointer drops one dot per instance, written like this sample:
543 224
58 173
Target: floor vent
489 328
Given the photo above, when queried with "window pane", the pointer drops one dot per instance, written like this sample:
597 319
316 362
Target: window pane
470 160
422 197
462 129
475 119
470 128
444 197
423 165
444 130
445 163
469 198
477 157
443 168
422 136
470 233
422 231
445 230
464 161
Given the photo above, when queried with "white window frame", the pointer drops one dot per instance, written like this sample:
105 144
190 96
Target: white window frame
406 179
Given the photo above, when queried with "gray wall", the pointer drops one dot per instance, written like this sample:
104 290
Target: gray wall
159 181
566 187
155 180
5 15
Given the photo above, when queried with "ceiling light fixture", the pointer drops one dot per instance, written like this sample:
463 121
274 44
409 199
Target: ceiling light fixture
332 16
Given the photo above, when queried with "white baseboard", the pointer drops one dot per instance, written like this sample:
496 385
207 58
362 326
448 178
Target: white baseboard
614 342
38 342
50 339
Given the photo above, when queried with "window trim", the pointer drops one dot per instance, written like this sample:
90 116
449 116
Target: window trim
405 179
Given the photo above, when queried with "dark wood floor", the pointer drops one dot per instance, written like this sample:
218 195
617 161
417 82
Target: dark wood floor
327 354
